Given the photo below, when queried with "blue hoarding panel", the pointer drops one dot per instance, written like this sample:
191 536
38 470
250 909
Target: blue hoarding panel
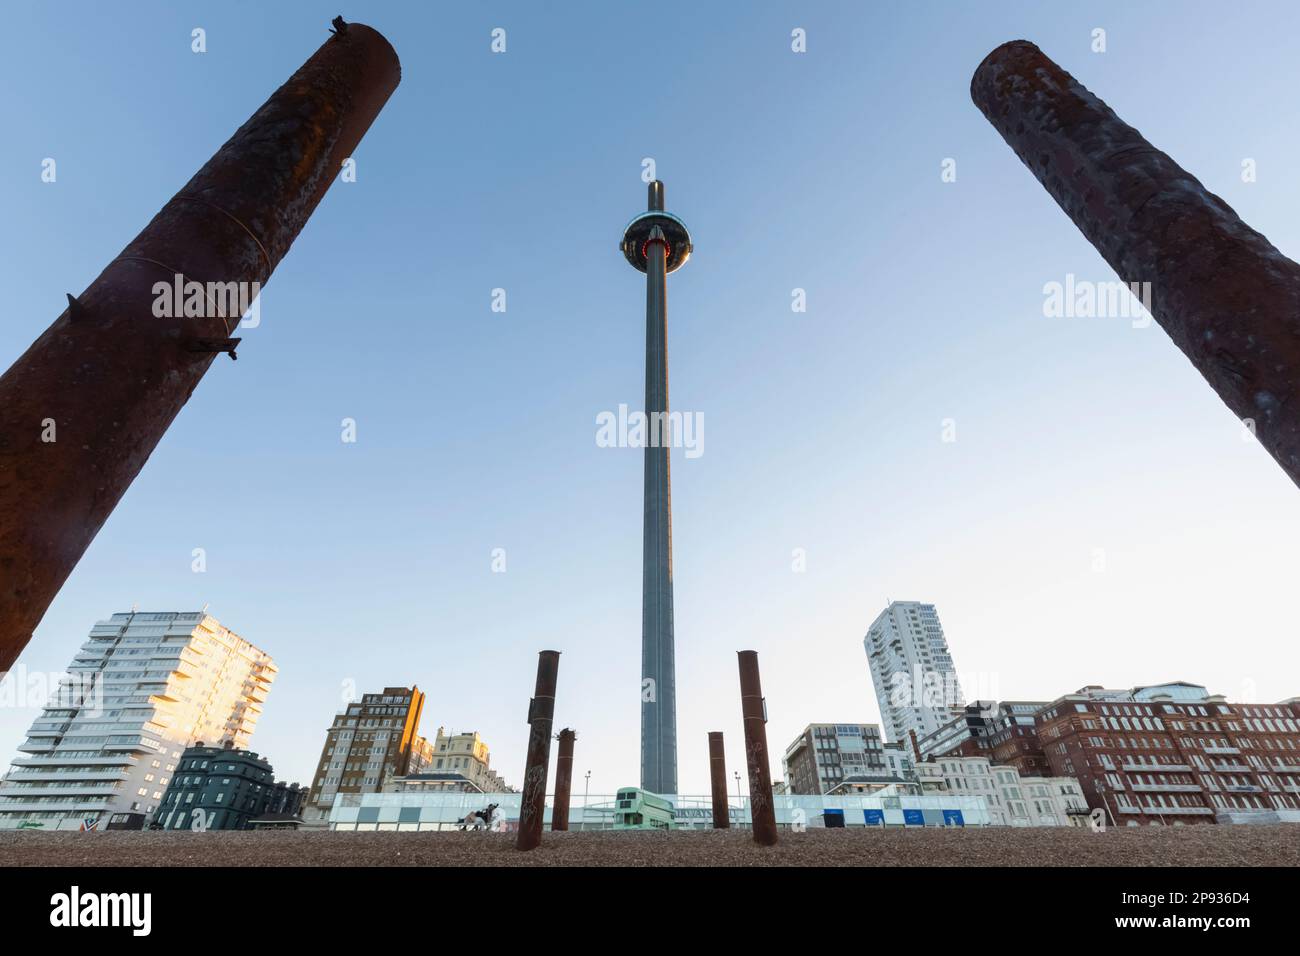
875 818
913 818
953 818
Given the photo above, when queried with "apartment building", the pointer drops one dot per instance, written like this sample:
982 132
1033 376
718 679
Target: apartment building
1004 731
824 755
370 740
467 754
223 788
912 670
143 688
1013 800
1171 754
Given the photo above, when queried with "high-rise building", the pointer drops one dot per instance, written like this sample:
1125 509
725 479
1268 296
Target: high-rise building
824 755
142 689
371 739
915 680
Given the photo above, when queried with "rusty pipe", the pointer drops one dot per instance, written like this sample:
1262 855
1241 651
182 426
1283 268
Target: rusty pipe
1222 292
753 709
541 715
83 408
718 781
563 781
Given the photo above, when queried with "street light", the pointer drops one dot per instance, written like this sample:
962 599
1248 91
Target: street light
585 790
741 808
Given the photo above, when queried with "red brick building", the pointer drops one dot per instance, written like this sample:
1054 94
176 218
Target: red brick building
1147 757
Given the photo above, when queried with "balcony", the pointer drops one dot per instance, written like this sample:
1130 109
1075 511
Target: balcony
1243 788
1131 767
54 776
1178 811
70 789
1222 750
56 759
1231 768
49 730
73 806
1167 787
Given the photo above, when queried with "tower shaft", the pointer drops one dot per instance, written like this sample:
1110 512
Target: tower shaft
658 680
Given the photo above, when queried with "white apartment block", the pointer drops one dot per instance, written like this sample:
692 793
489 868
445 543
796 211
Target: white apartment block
143 688
1013 800
912 670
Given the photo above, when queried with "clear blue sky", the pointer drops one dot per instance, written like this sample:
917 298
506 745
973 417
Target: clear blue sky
370 562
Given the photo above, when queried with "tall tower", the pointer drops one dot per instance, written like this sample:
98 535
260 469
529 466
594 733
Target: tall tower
657 243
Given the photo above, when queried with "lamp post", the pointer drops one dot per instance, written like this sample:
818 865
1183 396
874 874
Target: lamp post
586 789
1101 789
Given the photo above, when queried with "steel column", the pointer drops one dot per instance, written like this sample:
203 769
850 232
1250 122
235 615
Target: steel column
563 781
718 781
107 378
541 714
1223 293
754 711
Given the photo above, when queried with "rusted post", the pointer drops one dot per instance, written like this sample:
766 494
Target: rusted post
718 781
541 714
82 409
563 781
1223 293
754 710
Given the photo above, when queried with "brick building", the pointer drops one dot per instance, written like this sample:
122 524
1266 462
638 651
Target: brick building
372 739
1004 731
1167 755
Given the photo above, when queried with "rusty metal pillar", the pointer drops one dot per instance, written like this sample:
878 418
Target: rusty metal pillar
563 781
82 409
541 714
1223 293
718 781
754 710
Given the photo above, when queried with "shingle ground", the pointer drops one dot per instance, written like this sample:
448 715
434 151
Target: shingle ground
1145 846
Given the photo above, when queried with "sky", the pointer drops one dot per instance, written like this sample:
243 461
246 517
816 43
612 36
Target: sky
1098 519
